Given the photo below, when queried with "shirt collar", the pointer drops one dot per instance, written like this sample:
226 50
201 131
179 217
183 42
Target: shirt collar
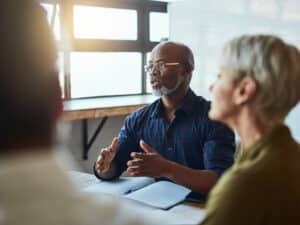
186 106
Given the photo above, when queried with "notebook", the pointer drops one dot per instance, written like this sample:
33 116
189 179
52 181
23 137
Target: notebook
160 194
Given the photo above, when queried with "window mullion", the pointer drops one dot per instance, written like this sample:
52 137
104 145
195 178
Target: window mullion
66 16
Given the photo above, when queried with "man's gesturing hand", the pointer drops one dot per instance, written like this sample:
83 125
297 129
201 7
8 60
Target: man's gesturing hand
149 164
106 156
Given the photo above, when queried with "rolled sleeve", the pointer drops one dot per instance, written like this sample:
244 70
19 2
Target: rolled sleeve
219 147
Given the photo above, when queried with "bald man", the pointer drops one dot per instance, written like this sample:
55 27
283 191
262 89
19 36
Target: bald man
171 138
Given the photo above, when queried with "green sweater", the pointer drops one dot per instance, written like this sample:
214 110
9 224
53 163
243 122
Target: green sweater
262 187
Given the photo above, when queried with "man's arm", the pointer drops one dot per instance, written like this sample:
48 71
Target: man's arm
218 154
154 165
219 147
118 164
126 144
200 181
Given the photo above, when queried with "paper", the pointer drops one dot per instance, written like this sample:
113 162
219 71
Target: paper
161 194
120 186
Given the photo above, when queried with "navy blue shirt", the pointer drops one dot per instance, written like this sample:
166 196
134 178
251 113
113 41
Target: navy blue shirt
191 139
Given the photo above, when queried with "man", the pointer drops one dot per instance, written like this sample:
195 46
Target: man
171 138
34 190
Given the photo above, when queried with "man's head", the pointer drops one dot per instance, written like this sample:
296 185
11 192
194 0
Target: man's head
29 92
170 68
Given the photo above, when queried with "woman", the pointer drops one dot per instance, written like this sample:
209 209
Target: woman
257 87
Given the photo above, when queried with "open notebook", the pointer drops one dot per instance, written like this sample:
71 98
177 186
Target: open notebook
160 194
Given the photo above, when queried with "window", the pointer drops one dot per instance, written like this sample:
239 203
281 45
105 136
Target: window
104 74
148 86
159 26
103 44
60 66
105 23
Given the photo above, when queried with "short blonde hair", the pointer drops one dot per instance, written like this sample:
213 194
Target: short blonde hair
275 67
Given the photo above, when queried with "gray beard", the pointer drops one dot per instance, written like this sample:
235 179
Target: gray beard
167 91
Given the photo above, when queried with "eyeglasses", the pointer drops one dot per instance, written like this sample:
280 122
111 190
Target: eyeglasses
160 65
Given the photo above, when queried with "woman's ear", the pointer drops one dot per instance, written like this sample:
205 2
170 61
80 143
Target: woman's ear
245 90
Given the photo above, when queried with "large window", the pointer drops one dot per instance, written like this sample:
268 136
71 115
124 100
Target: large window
119 73
105 23
103 45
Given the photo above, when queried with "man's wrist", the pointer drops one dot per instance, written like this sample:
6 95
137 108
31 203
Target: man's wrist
109 173
169 170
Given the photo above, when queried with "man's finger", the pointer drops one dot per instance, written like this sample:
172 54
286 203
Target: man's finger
137 172
135 162
102 152
99 167
138 155
114 144
134 171
146 147
103 155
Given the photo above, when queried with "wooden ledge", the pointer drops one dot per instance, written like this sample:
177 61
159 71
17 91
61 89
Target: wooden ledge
92 108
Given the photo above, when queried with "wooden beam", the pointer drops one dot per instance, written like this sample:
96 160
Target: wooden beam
96 113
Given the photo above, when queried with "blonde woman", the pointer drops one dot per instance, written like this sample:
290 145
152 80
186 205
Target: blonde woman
257 86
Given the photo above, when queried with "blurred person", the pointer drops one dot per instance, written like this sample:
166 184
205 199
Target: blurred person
257 86
34 189
171 138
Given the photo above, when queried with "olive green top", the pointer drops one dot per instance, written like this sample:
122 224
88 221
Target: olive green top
262 187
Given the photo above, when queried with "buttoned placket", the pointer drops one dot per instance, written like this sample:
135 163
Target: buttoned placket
169 142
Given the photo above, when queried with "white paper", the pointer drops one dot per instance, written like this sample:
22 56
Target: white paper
161 194
120 186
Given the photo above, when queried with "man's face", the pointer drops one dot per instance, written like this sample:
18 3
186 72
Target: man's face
166 72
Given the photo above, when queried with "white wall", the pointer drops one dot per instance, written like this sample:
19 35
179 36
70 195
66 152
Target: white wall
205 25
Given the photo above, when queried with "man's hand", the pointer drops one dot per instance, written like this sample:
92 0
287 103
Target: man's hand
106 156
149 164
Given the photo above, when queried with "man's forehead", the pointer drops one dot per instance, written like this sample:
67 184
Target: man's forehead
162 55
167 49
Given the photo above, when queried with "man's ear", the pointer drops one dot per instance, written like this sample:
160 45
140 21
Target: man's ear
187 70
245 90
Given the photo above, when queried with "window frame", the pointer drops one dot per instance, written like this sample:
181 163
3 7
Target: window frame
142 45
